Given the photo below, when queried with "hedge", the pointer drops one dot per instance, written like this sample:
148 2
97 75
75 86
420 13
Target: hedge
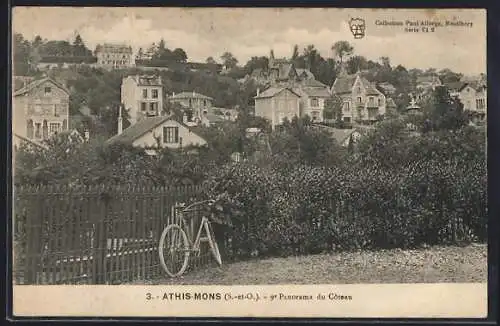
276 211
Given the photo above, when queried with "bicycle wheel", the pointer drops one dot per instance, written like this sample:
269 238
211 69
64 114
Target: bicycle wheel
174 250
213 243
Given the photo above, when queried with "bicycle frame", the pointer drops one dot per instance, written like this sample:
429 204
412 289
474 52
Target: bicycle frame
194 245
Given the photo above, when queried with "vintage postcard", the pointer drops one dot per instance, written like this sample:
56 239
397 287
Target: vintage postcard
249 162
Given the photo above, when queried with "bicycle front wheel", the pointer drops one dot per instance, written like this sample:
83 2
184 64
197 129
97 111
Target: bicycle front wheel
174 250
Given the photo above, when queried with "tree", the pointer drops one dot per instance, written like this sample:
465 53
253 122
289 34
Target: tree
444 111
179 55
333 108
229 60
295 53
356 63
386 62
21 55
342 49
256 62
448 76
211 60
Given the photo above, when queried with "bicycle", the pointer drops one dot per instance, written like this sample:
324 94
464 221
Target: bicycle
178 239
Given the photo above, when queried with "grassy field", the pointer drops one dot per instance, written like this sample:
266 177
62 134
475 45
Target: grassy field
432 265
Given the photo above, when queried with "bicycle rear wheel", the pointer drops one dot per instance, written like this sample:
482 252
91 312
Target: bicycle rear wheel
213 243
174 250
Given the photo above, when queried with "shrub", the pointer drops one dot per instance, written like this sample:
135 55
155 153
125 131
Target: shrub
421 197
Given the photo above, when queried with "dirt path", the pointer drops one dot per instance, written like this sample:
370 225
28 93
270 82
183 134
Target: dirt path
437 264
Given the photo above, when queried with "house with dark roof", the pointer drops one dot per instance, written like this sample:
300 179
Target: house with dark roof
142 96
199 103
40 109
361 100
277 103
313 96
114 56
387 88
157 132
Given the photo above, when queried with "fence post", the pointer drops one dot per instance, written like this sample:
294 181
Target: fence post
101 249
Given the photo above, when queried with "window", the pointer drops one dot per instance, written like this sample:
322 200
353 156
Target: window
480 103
359 99
38 108
29 126
371 101
379 101
347 106
347 119
314 102
48 90
65 124
45 130
170 135
56 110
38 129
315 115
189 102
145 93
154 93
143 106
54 128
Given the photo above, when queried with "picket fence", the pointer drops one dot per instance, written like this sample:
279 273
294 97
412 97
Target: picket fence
95 234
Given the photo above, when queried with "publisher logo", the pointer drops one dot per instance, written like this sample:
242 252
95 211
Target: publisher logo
357 26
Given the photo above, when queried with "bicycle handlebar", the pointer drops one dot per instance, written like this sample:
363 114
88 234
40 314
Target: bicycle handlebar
209 201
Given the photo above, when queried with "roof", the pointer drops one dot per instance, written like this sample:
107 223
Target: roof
214 118
388 87
369 87
145 80
35 83
190 95
116 48
313 83
284 69
316 91
138 129
307 72
340 135
273 91
343 84
31 141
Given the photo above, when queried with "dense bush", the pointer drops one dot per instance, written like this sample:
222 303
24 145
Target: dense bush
429 197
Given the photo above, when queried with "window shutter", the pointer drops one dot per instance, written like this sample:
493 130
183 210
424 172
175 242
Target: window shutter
176 134
165 129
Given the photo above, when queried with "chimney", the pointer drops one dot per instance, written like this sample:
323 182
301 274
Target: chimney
173 94
120 120
258 91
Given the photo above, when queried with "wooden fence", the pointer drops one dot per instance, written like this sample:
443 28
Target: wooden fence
94 235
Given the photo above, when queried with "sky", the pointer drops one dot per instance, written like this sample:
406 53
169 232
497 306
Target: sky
247 32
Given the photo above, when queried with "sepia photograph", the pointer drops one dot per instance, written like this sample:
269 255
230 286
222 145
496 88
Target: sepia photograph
315 157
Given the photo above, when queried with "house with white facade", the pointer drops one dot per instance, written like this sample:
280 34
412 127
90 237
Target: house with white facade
142 96
361 101
157 132
40 109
